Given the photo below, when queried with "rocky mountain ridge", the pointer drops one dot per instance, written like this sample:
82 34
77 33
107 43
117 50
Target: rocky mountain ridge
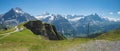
44 29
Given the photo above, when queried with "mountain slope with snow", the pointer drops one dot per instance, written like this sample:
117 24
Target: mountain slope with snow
81 25
15 16
93 24
69 25
62 25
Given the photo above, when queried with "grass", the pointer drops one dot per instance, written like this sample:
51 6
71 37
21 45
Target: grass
112 35
6 31
11 29
25 40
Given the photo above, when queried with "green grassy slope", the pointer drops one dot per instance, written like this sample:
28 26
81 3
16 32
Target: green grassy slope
25 40
6 31
112 35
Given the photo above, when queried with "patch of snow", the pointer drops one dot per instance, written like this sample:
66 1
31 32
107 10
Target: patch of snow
11 20
51 18
42 17
65 17
18 11
75 19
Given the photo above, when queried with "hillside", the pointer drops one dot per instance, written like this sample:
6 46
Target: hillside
112 35
26 40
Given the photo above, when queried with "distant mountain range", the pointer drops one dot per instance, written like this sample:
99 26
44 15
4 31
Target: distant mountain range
79 25
69 25
93 24
62 25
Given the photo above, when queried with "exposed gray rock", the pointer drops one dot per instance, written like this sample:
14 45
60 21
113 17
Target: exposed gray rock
44 29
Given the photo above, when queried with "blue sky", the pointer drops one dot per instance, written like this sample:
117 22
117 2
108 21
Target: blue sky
107 8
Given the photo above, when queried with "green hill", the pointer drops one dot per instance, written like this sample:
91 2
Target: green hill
112 35
26 40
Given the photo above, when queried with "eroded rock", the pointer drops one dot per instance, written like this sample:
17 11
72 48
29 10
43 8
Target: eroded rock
44 29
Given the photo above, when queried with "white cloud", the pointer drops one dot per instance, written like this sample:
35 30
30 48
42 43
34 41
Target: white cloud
111 13
118 12
113 19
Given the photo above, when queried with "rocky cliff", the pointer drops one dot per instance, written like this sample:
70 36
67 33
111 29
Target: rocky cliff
44 29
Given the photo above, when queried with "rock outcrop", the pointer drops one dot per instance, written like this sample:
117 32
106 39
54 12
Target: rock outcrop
44 29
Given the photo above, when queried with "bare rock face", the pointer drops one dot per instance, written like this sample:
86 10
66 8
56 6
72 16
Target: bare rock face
44 29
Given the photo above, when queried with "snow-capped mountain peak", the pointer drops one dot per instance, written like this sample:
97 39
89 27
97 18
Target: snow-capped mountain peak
15 16
17 10
48 16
